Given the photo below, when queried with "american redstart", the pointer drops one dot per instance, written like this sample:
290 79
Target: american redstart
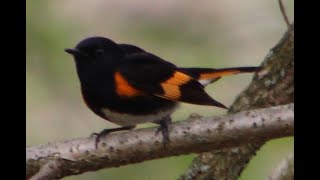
127 85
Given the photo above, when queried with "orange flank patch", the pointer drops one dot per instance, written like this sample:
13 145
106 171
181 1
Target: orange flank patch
171 86
123 88
218 74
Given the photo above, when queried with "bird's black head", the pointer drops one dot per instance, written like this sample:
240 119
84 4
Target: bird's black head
95 49
131 49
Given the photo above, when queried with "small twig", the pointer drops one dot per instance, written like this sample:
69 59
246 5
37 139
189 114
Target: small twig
284 14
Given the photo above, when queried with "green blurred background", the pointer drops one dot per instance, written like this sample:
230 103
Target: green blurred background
221 33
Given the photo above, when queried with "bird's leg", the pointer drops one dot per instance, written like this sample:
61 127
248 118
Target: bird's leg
107 131
164 128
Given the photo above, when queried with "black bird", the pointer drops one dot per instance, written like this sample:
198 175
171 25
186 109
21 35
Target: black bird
126 85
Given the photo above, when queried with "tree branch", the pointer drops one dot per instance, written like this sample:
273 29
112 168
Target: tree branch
285 170
50 170
270 87
197 134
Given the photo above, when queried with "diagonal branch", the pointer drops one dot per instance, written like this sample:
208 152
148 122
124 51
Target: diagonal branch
272 86
197 134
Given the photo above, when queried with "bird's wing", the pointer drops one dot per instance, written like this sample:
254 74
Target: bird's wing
147 73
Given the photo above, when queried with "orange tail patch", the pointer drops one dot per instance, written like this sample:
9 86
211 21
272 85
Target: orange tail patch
217 74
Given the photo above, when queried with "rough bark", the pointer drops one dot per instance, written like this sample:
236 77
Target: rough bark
50 170
272 86
195 135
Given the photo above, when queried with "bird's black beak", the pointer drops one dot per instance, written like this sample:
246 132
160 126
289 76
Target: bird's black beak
73 51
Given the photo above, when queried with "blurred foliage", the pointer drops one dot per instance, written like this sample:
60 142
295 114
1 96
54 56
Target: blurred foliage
187 33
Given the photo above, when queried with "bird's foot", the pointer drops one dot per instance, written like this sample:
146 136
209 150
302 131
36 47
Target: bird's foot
107 131
164 129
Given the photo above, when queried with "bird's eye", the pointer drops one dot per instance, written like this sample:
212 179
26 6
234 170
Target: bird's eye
99 52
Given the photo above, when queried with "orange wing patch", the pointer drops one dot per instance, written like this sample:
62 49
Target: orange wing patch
218 74
171 86
123 88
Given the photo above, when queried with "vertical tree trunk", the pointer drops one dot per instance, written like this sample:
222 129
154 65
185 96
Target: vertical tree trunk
272 86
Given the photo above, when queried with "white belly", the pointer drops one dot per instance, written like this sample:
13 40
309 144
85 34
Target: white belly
123 119
205 82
